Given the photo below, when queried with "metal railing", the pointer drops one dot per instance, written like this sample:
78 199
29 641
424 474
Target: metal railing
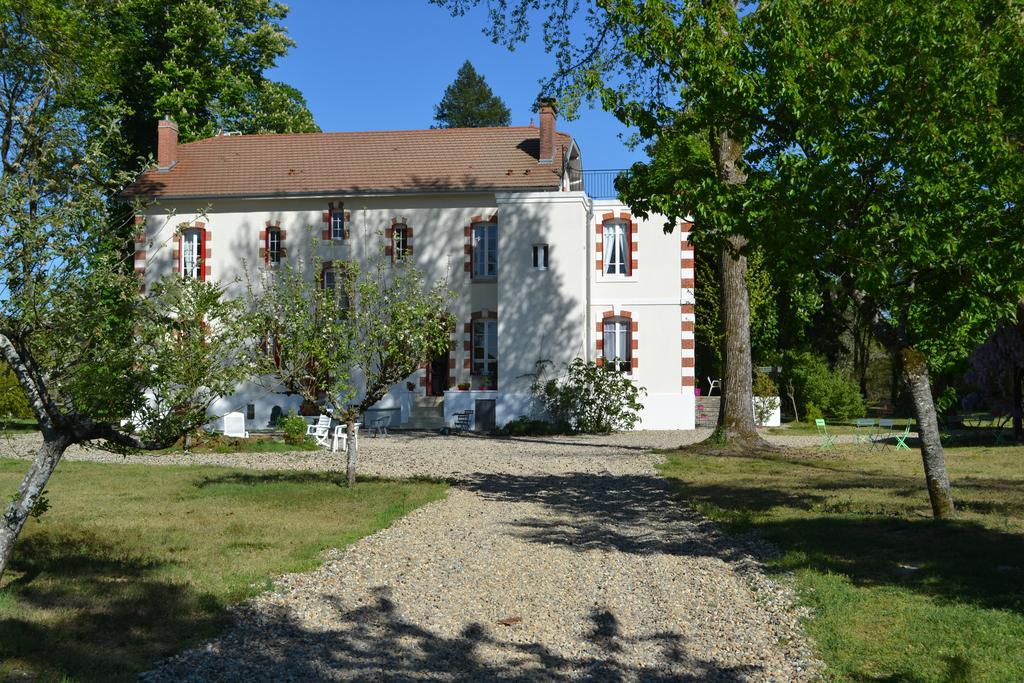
599 183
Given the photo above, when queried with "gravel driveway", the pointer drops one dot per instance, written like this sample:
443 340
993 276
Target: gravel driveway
551 559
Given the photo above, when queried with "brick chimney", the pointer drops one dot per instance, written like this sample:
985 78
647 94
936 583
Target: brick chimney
166 144
547 111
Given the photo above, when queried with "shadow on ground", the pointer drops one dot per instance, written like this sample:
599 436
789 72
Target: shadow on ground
831 526
629 513
373 642
137 620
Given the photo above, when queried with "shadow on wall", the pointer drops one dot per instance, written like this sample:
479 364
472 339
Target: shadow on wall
541 313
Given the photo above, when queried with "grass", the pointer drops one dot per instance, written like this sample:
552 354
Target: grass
134 563
896 596
218 443
835 426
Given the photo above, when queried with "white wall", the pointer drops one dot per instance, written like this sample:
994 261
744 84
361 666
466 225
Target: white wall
546 315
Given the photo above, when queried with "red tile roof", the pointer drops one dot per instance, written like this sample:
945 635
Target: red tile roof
452 159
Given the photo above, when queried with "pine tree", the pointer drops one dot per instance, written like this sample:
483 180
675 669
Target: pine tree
469 103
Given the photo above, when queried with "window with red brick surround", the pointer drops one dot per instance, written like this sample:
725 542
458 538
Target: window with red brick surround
192 253
618 339
616 244
399 240
272 237
336 223
469 247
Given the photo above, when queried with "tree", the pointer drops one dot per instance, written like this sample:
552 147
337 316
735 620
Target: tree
681 73
345 339
997 372
764 306
201 62
13 402
469 103
97 361
898 163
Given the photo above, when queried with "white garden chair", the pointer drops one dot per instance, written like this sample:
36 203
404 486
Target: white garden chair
234 425
340 439
321 431
714 384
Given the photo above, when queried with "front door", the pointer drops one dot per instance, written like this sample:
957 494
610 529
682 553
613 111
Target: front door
437 376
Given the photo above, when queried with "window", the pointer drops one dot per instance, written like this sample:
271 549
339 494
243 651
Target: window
485 250
485 351
192 253
400 238
337 224
616 248
328 279
250 411
274 246
540 257
618 344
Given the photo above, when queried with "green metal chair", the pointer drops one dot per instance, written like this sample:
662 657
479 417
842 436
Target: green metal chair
865 430
901 439
879 438
827 440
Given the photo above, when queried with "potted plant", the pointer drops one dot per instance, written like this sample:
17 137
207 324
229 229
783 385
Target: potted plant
464 386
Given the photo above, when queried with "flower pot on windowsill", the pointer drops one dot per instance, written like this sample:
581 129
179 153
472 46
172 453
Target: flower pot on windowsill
464 386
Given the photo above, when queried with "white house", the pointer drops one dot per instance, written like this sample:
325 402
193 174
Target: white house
542 268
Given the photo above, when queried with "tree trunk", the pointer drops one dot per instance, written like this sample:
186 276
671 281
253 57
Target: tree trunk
736 418
915 374
31 488
792 399
1018 402
352 450
736 425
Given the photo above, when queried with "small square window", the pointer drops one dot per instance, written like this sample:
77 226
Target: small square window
540 257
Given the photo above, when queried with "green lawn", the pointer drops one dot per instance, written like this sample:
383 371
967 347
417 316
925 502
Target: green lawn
896 596
133 563
835 426
217 443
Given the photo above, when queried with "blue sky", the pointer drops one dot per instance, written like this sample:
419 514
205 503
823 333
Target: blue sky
384 65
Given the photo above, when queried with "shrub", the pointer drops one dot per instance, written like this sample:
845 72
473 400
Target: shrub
763 384
766 397
294 428
592 398
831 393
526 426
13 402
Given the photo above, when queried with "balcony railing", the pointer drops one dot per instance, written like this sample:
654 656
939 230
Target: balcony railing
599 183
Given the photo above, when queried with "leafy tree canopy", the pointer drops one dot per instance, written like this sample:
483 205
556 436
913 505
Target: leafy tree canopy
469 103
